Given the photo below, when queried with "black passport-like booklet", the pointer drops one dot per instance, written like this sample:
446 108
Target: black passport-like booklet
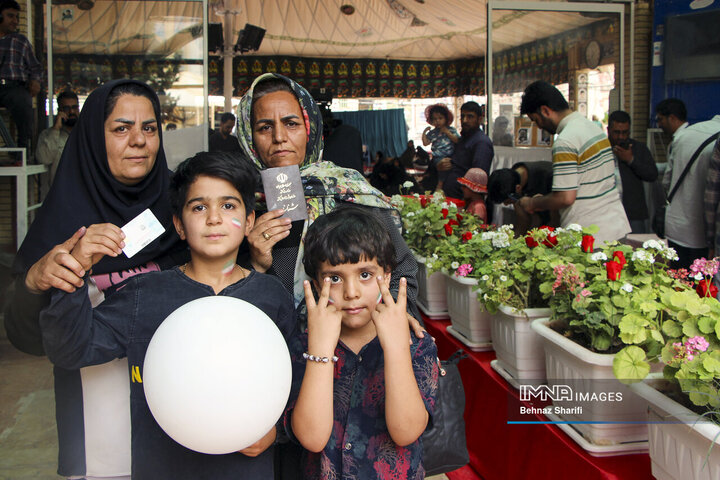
283 189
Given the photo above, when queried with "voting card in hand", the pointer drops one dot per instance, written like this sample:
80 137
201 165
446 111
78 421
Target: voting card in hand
140 231
283 189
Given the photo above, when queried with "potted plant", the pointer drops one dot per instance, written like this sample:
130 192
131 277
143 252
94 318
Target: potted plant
683 414
590 299
463 260
427 223
511 287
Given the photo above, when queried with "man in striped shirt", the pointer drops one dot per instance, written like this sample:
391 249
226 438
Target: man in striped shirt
584 187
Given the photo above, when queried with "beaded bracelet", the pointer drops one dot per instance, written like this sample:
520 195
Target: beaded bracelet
317 359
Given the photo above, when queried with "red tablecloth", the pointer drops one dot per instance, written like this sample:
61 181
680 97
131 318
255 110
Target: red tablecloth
501 451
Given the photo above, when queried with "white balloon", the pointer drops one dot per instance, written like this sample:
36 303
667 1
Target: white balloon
217 375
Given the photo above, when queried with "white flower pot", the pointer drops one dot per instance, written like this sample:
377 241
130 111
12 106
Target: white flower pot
432 292
518 348
682 446
467 316
590 373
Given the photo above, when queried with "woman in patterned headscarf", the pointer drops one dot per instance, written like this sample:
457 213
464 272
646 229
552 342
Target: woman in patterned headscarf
279 124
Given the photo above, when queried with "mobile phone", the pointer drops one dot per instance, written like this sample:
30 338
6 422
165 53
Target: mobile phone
513 197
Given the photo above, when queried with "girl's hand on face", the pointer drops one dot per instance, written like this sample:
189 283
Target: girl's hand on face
268 230
57 268
100 239
324 321
390 317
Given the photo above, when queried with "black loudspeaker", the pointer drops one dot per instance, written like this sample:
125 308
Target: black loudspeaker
215 37
249 38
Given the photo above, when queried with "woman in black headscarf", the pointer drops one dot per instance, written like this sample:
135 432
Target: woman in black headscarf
113 168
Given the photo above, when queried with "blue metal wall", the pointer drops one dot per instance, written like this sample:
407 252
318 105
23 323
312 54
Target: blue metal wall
702 99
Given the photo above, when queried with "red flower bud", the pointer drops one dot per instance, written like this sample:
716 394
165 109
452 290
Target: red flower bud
620 256
444 212
448 229
530 242
459 217
453 222
549 229
706 288
613 270
423 202
587 243
466 236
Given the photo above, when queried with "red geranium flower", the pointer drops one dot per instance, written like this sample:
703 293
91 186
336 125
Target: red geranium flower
587 243
459 217
444 212
453 222
613 270
620 256
706 288
423 202
530 242
466 236
448 229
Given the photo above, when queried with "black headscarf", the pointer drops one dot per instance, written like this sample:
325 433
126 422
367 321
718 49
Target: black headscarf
84 192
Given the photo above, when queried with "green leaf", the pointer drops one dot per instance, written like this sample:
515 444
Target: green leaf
672 329
657 336
690 329
706 324
629 365
632 329
601 342
711 364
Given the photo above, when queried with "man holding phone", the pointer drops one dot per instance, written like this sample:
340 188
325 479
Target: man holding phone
635 165
51 141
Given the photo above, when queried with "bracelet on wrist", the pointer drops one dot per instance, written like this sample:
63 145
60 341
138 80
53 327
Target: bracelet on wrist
315 358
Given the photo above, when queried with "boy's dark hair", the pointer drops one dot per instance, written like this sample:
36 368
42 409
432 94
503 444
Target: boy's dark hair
539 94
618 116
438 109
227 166
226 117
67 94
347 235
672 106
9 5
473 107
502 183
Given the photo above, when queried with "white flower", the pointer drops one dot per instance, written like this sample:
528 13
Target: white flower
445 205
641 255
435 256
698 276
654 244
416 195
407 184
410 214
670 254
429 265
627 287
599 256
574 227
485 278
579 244
455 265
503 278
501 240
487 235
485 296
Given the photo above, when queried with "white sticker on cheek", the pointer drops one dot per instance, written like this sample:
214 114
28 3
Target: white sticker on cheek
379 299
330 301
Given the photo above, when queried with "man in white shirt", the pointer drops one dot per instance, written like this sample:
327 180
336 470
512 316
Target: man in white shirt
684 217
51 141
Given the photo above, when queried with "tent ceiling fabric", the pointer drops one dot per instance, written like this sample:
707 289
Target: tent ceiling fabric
388 29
